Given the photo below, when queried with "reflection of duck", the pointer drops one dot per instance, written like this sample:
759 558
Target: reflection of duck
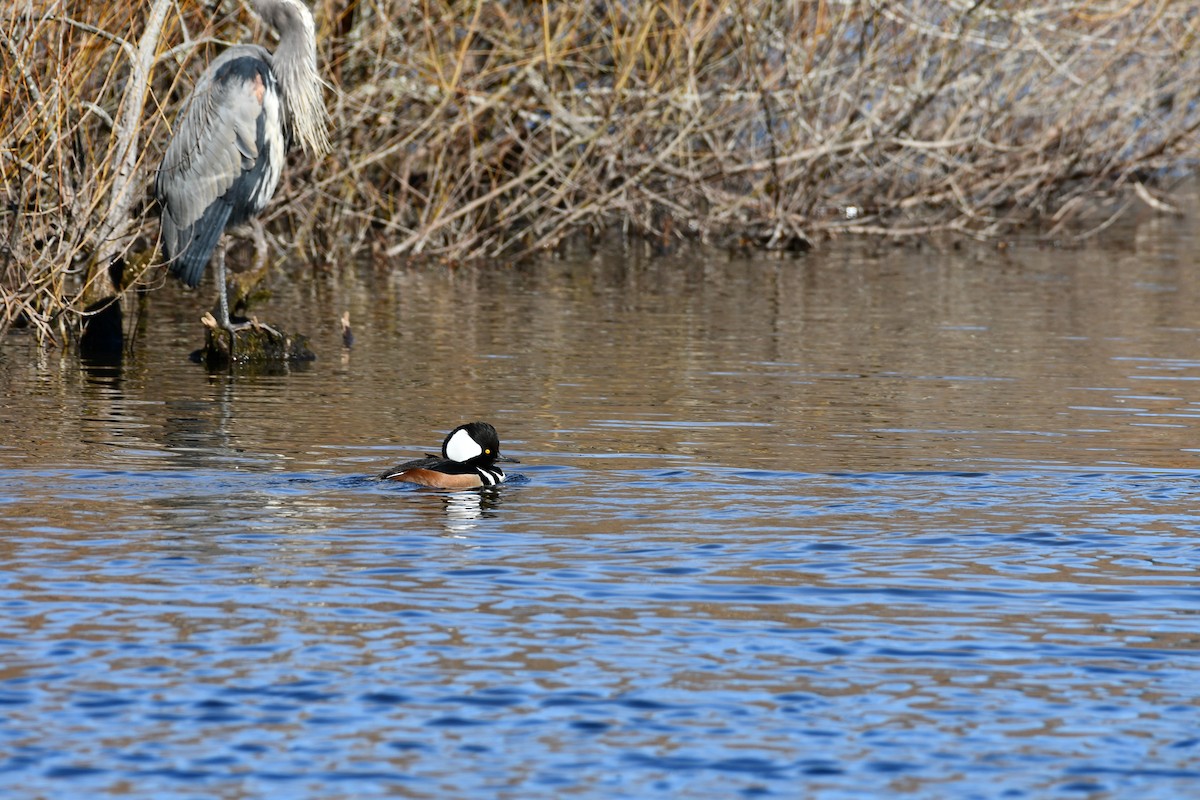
463 510
468 460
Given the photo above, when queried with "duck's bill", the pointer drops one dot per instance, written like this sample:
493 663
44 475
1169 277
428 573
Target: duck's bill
508 459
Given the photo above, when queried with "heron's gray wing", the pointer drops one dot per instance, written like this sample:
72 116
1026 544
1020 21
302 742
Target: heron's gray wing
216 143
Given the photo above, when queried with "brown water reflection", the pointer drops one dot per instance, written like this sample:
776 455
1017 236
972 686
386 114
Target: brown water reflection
856 359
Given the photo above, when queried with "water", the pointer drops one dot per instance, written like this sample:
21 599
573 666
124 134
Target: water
860 524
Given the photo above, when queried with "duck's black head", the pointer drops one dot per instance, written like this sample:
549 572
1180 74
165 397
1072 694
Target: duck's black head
475 443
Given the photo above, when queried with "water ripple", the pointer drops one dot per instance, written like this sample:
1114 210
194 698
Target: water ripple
697 633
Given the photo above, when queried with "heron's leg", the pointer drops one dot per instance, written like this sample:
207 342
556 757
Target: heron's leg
223 294
260 243
243 284
223 291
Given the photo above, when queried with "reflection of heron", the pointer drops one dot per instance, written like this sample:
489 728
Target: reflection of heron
225 156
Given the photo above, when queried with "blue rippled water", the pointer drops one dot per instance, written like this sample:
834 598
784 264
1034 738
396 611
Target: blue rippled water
696 633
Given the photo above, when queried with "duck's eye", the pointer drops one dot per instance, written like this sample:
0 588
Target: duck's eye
487 452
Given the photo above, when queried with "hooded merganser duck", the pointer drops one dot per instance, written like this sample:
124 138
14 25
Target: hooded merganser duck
468 460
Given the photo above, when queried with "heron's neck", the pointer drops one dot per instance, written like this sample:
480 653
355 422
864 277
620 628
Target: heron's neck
295 66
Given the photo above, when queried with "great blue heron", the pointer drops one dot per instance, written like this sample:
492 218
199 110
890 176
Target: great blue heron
226 153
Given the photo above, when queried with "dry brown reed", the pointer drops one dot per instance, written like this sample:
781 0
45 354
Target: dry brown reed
492 130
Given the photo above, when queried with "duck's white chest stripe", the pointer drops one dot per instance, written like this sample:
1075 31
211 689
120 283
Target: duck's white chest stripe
490 477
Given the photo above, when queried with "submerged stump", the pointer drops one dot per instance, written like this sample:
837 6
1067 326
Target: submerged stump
254 343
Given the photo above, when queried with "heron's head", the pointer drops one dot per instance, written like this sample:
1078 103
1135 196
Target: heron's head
289 17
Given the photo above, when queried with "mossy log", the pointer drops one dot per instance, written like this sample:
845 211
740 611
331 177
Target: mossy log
254 343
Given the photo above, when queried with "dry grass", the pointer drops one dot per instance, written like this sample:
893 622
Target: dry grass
496 129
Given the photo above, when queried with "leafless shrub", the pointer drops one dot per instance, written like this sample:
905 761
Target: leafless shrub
769 122
494 130
73 85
